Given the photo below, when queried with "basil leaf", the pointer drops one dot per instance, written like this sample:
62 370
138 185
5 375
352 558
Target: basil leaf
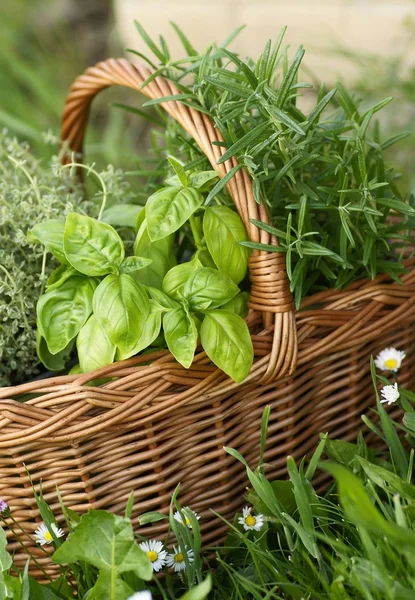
92 247
122 215
62 311
238 304
223 230
179 170
95 348
181 335
205 258
226 340
207 288
134 263
169 208
174 281
121 305
50 234
53 362
59 275
203 180
149 332
163 301
161 254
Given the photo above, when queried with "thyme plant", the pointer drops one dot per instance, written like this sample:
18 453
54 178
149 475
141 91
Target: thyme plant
32 192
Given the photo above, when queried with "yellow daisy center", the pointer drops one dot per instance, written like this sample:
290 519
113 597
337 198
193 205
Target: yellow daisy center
187 521
179 558
250 521
48 536
153 556
391 363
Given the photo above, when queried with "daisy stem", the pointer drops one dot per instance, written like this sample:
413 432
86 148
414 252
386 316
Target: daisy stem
160 588
25 547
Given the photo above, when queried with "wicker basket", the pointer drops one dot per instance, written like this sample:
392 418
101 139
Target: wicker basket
157 424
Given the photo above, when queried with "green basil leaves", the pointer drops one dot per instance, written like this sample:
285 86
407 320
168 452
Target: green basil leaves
121 305
110 306
226 339
92 247
207 288
169 208
62 311
224 231
180 329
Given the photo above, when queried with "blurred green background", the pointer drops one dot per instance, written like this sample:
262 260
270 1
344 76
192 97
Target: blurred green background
45 44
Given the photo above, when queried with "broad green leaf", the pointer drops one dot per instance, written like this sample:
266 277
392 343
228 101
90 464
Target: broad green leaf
179 170
208 289
110 587
180 330
106 541
223 230
92 247
59 275
122 215
13 587
61 312
226 340
134 263
121 305
342 452
50 234
163 301
199 592
238 304
41 592
175 280
160 253
149 331
203 179
205 258
5 558
169 208
53 362
95 348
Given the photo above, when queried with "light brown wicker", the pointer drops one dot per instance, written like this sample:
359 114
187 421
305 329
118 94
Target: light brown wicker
156 424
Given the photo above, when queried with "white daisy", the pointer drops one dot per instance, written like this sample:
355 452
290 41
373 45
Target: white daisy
176 559
43 535
155 553
390 359
390 393
141 596
249 521
179 519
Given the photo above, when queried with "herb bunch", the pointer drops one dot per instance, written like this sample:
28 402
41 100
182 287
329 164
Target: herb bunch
329 193
114 305
32 191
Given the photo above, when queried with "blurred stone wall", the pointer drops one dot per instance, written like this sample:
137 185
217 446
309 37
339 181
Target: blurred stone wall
320 25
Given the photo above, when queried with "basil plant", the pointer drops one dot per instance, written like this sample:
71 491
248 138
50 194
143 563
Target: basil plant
111 306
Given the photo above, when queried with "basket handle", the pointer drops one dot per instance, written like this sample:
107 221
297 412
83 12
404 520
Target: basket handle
270 290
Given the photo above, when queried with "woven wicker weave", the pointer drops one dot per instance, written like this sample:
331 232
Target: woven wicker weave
157 424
